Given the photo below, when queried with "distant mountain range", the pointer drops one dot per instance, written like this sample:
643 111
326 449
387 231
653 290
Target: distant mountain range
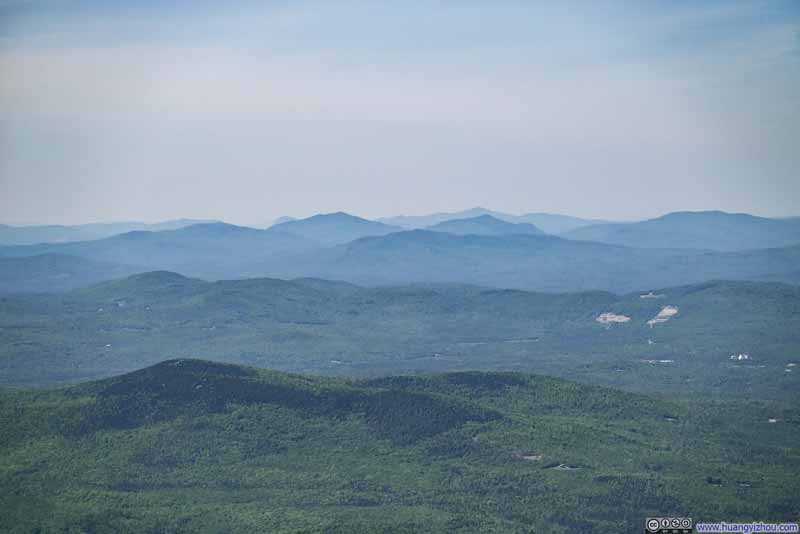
212 250
547 222
31 235
532 262
334 228
283 219
713 230
484 225
679 248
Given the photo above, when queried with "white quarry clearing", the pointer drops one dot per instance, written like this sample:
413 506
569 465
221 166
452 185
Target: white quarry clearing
612 318
666 313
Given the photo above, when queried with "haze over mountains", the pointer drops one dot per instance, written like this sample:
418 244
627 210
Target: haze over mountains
547 222
212 250
714 230
484 225
33 234
415 405
385 358
679 248
334 228
533 262
52 271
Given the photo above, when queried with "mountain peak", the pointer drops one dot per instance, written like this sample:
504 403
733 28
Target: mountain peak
484 225
338 215
215 228
335 228
283 219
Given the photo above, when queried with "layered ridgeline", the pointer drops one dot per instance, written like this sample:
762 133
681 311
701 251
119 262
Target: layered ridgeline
484 225
31 235
214 250
195 446
53 272
676 340
509 260
334 228
532 262
714 230
550 223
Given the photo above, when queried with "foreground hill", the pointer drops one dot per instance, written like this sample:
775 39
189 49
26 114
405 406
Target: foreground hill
484 225
196 446
715 230
547 222
309 325
30 235
531 262
334 228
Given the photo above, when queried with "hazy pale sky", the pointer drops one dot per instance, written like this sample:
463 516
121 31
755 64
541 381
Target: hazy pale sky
244 111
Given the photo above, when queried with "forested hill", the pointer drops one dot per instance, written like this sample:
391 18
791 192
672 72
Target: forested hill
196 446
320 326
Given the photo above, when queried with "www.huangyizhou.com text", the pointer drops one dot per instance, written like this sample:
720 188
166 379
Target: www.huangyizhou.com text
756 527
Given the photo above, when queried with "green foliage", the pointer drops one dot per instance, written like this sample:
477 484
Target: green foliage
196 446
311 325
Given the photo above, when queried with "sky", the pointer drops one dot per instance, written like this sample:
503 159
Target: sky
246 111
